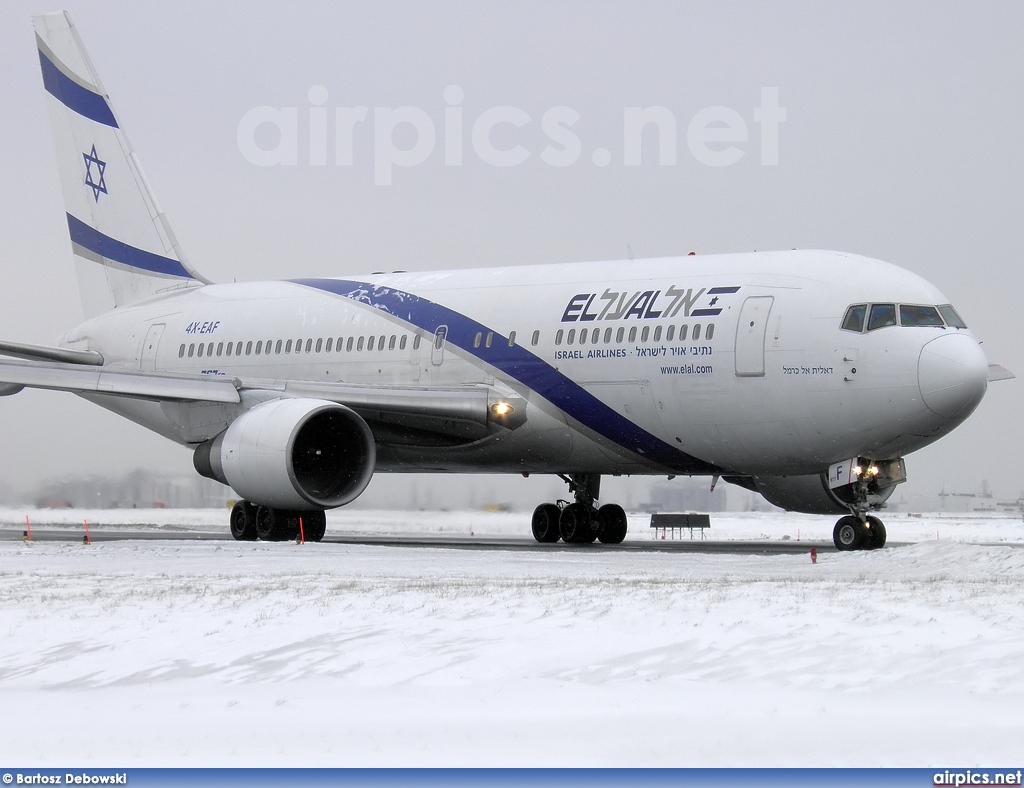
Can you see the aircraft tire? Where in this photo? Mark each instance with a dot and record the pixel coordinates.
(545, 523)
(850, 533)
(876, 539)
(574, 523)
(612, 524)
(243, 521)
(314, 525)
(272, 524)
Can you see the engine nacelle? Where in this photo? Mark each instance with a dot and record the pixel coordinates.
(297, 454)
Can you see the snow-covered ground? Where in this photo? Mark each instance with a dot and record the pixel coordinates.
(218, 653)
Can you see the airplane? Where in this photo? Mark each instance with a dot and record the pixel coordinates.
(805, 376)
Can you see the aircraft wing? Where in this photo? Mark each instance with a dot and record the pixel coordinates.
(467, 413)
(82, 379)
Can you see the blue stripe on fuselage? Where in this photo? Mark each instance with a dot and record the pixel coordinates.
(118, 252)
(74, 96)
(520, 365)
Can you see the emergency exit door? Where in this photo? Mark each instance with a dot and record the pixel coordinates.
(750, 335)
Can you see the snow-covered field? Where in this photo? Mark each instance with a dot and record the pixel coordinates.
(195, 653)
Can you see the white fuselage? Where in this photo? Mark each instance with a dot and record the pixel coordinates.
(698, 364)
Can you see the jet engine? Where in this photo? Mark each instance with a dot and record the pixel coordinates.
(296, 454)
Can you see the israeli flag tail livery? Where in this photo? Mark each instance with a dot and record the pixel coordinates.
(125, 251)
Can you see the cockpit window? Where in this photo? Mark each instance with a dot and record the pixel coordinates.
(882, 315)
(911, 315)
(951, 317)
(854, 319)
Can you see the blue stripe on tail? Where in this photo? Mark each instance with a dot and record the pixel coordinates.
(118, 252)
(74, 96)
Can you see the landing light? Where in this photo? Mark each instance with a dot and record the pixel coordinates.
(502, 409)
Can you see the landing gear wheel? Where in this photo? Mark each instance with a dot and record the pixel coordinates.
(314, 525)
(876, 538)
(243, 521)
(545, 523)
(612, 524)
(850, 533)
(574, 523)
(272, 525)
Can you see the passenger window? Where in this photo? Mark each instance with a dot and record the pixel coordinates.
(401, 343)
(230, 347)
(248, 348)
(288, 346)
(583, 336)
(415, 342)
(558, 337)
(535, 339)
(369, 344)
(710, 331)
(696, 332)
(645, 333)
(854, 318)
(181, 352)
(259, 347)
(511, 338)
(953, 320)
(278, 346)
(359, 344)
(191, 350)
(682, 332)
(348, 345)
(238, 348)
(298, 345)
(391, 344)
(607, 336)
(309, 345)
(477, 339)
(572, 336)
(220, 348)
(882, 315)
(319, 345)
(269, 347)
(619, 335)
(919, 316)
(670, 333)
(330, 344)
(596, 336)
(632, 334)
(338, 345)
(657, 333)
(490, 338)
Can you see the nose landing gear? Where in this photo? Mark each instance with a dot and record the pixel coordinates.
(580, 522)
(854, 533)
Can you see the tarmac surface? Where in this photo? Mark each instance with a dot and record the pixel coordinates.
(686, 545)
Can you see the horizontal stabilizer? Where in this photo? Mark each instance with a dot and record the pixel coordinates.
(999, 372)
(63, 377)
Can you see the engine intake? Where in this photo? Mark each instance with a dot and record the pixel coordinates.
(292, 454)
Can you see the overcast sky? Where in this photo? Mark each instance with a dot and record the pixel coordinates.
(903, 140)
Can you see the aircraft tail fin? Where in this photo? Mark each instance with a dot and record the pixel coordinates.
(124, 248)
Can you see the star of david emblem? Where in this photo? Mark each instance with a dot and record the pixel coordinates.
(714, 300)
(101, 166)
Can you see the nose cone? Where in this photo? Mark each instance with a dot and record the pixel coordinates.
(953, 374)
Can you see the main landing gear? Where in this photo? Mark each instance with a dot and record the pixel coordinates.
(250, 522)
(580, 522)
